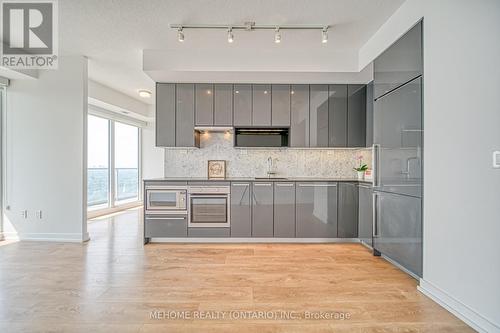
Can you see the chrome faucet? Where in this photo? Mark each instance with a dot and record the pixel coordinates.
(270, 167)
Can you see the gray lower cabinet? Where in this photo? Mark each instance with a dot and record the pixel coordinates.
(348, 210)
(242, 104)
(316, 210)
(400, 63)
(165, 115)
(280, 105)
(165, 226)
(356, 115)
(184, 117)
(398, 229)
(365, 214)
(262, 209)
(204, 104)
(337, 115)
(299, 127)
(208, 232)
(223, 105)
(284, 209)
(318, 114)
(261, 105)
(241, 209)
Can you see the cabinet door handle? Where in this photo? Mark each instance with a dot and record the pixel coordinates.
(374, 216)
(365, 186)
(375, 162)
(165, 218)
(238, 184)
(284, 185)
(318, 185)
(262, 184)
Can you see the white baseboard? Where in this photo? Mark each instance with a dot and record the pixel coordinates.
(48, 237)
(251, 240)
(462, 311)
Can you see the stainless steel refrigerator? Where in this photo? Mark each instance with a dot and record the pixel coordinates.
(397, 163)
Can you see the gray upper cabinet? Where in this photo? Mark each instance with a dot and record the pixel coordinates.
(184, 116)
(400, 63)
(242, 104)
(204, 106)
(365, 214)
(318, 106)
(398, 229)
(262, 209)
(165, 115)
(299, 130)
(241, 209)
(280, 105)
(284, 209)
(356, 115)
(223, 105)
(369, 114)
(348, 210)
(261, 105)
(316, 210)
(337, 115)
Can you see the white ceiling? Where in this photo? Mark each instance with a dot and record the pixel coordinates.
(113, 35)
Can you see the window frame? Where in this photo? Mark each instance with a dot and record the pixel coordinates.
(114, 205)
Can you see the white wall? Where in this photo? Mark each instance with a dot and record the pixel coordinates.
(153, 158)
(462, 128)
(45, 160)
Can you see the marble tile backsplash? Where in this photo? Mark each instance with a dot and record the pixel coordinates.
(240, 162)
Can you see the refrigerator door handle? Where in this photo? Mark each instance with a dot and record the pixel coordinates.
(374, 216)
(375, 163)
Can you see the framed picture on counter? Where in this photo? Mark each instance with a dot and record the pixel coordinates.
(216, 169)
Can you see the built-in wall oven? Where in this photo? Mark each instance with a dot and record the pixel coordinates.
(209, 206)
(166, 198)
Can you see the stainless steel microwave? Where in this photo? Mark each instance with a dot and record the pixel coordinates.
(166, 198)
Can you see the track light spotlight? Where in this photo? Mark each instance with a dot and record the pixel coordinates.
(180, 35)
(230, 36)
(324, 36)
(277, 35)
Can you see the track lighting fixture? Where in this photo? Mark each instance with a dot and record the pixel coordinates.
(324, 35)
(277, 35)
(180, 35)
(251, 26)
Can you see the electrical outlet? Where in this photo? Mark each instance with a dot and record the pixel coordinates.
(39, 214)
(24, 214)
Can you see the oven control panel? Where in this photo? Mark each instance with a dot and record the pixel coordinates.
(209, 189)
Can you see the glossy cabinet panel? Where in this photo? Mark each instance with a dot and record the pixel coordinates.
(337, 115)
(318, 104)
(299, 129)
(204, 105)
(398, 134)
(262, 209)
(242, 95)
(400, 63)
(165, 115)
(316, 210)
(356, 115)
(369, 114)
(348, 210)
(223, 104)
(284, 209)
(280, 105)
(398, 229)
(261, 105)
(165, 226)
(184, 116)
(241, 209)
(365, 214)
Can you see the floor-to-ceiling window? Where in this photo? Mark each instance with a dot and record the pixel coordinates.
(113, 163)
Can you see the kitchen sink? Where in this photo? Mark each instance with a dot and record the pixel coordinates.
(269, 178)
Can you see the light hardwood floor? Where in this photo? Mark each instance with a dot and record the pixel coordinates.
(113, 283)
